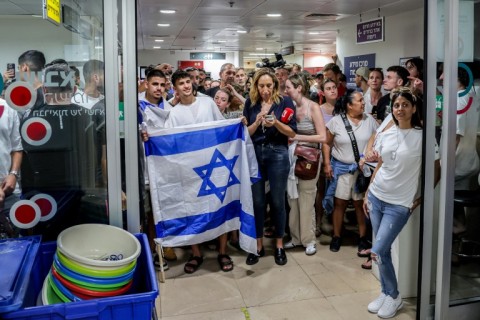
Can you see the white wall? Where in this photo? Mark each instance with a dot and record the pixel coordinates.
(22, 33)
(404, 37)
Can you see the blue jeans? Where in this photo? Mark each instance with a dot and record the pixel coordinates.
(274, 166)
(387, 222)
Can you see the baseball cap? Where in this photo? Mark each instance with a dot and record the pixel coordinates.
(364, 72)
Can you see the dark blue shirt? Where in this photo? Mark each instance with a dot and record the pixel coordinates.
(270, 135)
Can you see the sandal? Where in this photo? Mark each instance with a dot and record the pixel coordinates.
(367, 265)
(192, 267)
(364, 253)
(225, 262)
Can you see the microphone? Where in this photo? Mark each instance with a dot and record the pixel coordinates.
(287, 115)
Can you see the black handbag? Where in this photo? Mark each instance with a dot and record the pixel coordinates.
(362, 182)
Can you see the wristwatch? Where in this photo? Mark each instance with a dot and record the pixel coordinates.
(15, 173)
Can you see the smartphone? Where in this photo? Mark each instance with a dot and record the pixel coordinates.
(11, 67)
(269, 117)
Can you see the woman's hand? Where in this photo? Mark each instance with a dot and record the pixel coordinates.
(260, 118)
(416, 203)
(371, 156)
(327, 169)
(270, 120)
(244, 121)
(365, 206)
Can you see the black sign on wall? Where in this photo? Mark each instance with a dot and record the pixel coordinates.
(207, 56)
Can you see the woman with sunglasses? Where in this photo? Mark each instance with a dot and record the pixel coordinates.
(394, 192)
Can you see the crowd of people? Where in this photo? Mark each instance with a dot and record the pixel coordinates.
(370, 139)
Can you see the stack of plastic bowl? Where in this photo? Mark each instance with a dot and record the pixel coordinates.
(92, 261)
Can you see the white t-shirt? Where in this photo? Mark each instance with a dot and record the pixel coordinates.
(466, 157)
(398, 179)
(10, 139)
(84, 100)
(203, 109)
(342, 146)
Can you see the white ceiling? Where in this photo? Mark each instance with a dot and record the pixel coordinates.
(211, 25)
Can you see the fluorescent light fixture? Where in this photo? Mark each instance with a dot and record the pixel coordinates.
(159, 40)
(221, 41)
(241, 31)
(98, 47)
(163, 24)
(167, 11)
(274, 14)
(261, 54)
(314, 32)
(258, 48)
(156, 47)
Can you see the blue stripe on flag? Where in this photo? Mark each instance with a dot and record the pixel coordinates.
(193, 140)
(197, 224)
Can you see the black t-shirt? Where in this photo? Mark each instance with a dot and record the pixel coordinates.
(212, 91)
(382, 106)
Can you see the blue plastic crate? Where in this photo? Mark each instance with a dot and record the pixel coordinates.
(139, 303)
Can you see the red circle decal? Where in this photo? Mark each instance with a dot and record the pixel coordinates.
(45, 206)
(21, 96)
(36, 131)
(25, 214)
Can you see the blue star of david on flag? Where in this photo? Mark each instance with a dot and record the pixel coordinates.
(205, 172)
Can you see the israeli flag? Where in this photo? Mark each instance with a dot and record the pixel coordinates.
(200, 182)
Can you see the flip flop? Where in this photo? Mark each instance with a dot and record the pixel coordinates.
(192, 267)
(225, 262)
(367, 265)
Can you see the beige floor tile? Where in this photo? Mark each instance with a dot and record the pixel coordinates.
(305, 310)
(354, 305)
(212, 292)
(233, 314)
(275, 285)
(330, 284)
(352, 274)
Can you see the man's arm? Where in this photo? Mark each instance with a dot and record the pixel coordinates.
(8, 185)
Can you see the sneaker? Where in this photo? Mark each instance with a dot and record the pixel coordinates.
(390, 307)
(156, 262)
(169, 254)
(289, 245)
(335, 244)
(376, 304)
(311, 249)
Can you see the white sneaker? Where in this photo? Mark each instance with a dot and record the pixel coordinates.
(289, 245)
(376, 304)
(311, 249)
(390, 307)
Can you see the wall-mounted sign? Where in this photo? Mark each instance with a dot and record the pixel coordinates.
(207, 56)
(285, 51)
(352, 63)
(187, 63)
(52, 11)
(371, 31)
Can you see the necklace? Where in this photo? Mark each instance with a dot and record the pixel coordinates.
(394, 152)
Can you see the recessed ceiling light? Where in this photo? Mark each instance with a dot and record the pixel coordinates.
(168, 11)
(259, 48)
(274, 14)
(156, 47)
(241, 31)
(159, 40)
(314, 32)
(163, 24)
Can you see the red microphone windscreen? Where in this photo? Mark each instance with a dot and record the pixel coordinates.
(287, 115)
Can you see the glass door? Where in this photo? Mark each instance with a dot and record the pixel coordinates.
(451, 260)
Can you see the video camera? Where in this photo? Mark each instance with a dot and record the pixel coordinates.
(267, 64)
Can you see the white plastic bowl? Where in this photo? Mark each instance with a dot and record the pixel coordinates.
(90, 244)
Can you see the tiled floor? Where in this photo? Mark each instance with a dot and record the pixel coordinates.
(324, 286)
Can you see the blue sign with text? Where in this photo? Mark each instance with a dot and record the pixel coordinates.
(371, 31)
(352, 63)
